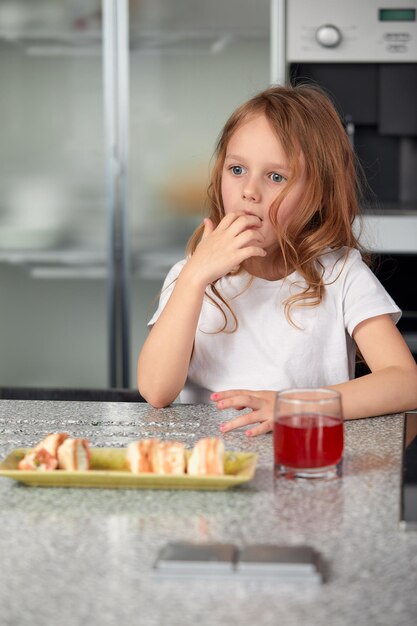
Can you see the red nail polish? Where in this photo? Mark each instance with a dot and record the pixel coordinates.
(222, 427)
(249, 433)
(214, 396)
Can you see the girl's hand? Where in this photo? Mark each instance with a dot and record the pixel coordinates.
(224, 248)
(261, 402)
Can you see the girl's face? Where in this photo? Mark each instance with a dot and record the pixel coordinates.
(255, 172)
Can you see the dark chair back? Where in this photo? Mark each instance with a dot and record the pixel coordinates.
(68, 394)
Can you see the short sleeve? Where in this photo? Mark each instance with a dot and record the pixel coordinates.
(364, 296)
(167, 289)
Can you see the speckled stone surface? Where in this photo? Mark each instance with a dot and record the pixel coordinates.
(85, 556)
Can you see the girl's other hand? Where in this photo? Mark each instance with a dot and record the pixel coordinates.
(261, 402)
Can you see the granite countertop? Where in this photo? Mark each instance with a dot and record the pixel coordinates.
(75, 556)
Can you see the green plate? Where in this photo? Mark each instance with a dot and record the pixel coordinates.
(108, 471)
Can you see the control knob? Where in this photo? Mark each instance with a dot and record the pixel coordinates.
(328, 36)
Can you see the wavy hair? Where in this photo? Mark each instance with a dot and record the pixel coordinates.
(303, 119)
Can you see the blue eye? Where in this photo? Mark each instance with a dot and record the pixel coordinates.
(276, 178)
(237, 170)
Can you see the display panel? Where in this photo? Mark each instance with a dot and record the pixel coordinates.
(397, 15)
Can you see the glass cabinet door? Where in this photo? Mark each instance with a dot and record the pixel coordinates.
(191, 63)
(52, 194)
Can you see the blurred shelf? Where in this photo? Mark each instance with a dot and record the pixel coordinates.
(82, 264)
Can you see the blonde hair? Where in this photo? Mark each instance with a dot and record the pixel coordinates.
(303, 119)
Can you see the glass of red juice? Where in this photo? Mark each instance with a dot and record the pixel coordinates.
(308, 433)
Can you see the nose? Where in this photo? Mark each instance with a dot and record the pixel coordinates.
(251, 190)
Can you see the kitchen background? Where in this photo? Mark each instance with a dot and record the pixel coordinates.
(191, 62)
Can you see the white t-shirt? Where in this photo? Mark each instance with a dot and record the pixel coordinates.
(267, 351)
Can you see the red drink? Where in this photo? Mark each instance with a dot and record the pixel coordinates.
(308, 441)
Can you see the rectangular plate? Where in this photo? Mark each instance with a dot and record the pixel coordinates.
(109, 472)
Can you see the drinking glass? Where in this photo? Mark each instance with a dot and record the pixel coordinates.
(308, 433)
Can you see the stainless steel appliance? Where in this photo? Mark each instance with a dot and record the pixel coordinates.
(364, 54)
(408, 514)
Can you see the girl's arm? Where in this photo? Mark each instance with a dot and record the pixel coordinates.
(165, 357)
(390, 388)
(392, 385)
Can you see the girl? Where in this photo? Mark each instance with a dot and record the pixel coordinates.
(274, 292)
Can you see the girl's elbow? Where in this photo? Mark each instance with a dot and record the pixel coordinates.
(155, 392)
(157, 402)
(411, 386)
(154, 397)
(414, 387)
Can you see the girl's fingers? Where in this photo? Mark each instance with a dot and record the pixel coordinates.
(261, 405)
(249, 237)
(244, 420)
(229, 393)
(208, 227)
(238, 222)
(250, 251)
(222, 249)
(245, 223)
(240, 421)
(261, 429)
(238, 402)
